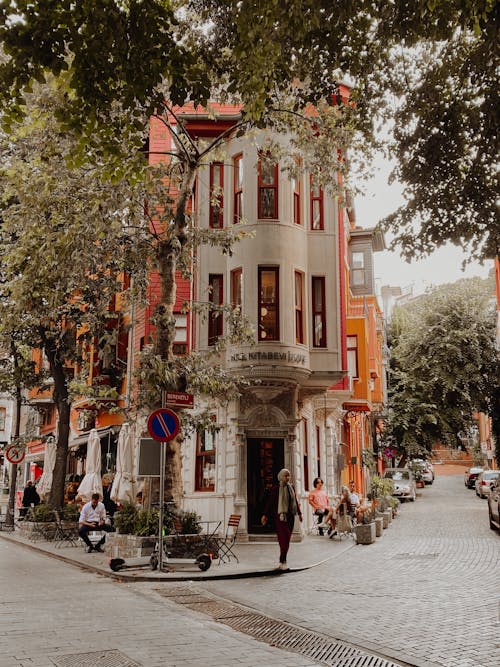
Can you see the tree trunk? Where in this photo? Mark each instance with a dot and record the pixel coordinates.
(168, 253)
(61, 399)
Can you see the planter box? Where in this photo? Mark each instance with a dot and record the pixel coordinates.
(183, 546)
(379, 526)
(129, 546)
(365, 533)
(385, 520)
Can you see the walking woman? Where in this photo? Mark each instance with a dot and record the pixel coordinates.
(283, 505)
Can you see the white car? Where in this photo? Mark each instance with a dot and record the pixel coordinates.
(404, 483)
(424, 468)
(484, 482)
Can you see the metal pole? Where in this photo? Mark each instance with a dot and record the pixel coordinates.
(160, 513)
(162, 493)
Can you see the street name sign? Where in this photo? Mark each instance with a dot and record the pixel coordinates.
(179, 399)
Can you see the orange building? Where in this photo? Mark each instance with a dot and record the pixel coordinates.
(364, 341)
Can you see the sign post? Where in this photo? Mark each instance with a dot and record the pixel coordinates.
(163, 425)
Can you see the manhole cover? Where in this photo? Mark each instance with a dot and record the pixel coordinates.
(112, 658)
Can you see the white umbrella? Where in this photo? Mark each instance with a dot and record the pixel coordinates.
(91, 483)
(45, 482)
(123, 483)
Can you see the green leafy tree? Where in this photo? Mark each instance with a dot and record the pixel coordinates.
(444, 365)
(67, 236)
(428, 70)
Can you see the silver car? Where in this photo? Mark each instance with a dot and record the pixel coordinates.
(484, 482)
(404, 483)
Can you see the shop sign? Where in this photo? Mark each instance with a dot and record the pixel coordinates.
(287, 357)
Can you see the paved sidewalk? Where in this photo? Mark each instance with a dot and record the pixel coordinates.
(256, 559)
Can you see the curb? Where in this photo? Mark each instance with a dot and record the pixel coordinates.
(191, 576)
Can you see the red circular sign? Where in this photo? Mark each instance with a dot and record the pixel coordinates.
(15, 454)
(163, 424)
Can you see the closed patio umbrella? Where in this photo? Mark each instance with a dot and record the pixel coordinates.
(123, 483)
(91, 483)
(45, 482)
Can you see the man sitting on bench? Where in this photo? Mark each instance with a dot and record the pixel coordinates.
(93, 517)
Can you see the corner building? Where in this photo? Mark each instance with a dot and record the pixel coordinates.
(284, 275)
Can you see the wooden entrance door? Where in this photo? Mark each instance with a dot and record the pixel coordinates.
(265, 458)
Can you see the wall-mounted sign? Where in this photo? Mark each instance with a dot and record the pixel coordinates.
(285, 357)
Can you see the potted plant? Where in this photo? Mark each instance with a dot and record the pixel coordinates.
(39, 523)
(365, 531)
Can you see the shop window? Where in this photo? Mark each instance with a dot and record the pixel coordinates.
(316, 193)
(352, 356)
(205, 461)
(3, 418)
(318, 311)
(237, 189)
(216, 195)
(268, 189)
(215, 297)
(268, 315)
(299, 307)
(237, 288)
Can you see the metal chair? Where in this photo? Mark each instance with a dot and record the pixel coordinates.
(344, 522)
(225, 544)
(64, 535)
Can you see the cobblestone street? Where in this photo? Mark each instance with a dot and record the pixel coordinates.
(427, 592)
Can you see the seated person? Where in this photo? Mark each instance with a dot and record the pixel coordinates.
(366, 507)
(318, 500)
(93, 517)
(355, 500)
(345, 510)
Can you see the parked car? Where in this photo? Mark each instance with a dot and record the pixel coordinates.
(470, 476)
(404, 482)
(494, 505)
(425, 470)
(484, 482)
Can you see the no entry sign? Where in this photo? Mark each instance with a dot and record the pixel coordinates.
(15, 454)
(163, 425)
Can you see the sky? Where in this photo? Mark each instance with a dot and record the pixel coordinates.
(443, 266)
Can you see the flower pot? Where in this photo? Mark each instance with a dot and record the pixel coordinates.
(365, 533)
(379, 526)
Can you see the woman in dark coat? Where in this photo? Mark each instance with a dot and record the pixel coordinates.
(283, 506)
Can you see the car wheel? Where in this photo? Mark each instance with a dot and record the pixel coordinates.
(492, 525)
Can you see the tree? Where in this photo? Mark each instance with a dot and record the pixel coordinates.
(66, 239)
(126, 61)
(428, 69)
(444, 365)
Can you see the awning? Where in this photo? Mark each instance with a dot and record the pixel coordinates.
(102, 433)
